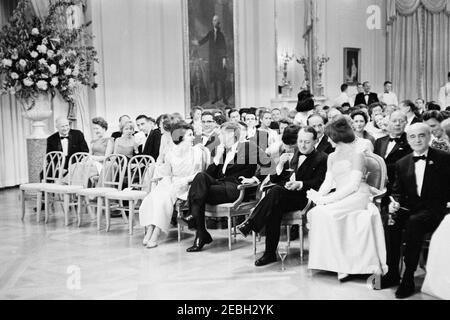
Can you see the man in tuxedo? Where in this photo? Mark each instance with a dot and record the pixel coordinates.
(152, 141)
(209, 137)
(235, 162)
(392, 148)
(318, 123)
(259, 137)
(289, 194)
(420, 194)
(67, 140)
(366, 97)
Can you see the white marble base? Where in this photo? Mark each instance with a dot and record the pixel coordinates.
(35, 153)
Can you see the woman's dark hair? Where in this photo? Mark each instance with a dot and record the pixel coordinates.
(285, 121)
(432, 106)
(375, 105)
(101, 122)
(433, 114)
(310, 130)
(359, 113)
(340, 130)
(220, 119)
(412, 106)
(290, 134)
(162, 118)
(178, 130)
(445, 114)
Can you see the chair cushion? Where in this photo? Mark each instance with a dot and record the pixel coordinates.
(126, 195)
(62, 188)
(34, 186)
(293, 215)
(96, 192)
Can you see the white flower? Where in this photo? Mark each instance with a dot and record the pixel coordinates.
(41, 48)
(43, 61)
(43, 85)
(30, 74)
(28, 82)
(72, 52)
(62, 61)
(14, 76)
(76, 71)
(22, 63)
(35, 31)
(34, 54)
(54, 81)
(50, 53)
(7, 62)
(68, 72)
(52, 69)
(44, 76)
(45, 41)
(71, 83)
(15, 56)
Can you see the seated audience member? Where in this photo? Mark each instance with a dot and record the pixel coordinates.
(367, 97)
(346, 233)
(243, 127)
(166, 144)
(233, 163)
(243, 112)
(439, 140)
(122, 120)
(420, 194)
(360, 120)
(234, 115)
(432, 105)
(67, 140)
(332, 114)
(344, 97)
(392, 148)
(304, 108)
(410, 109)
(420, 104)
(290, 192)
(266, 120)
(126, 144)
(318, 123)
(197, 120)
(388, 109)
(259, 137)
(378, 127)
(181, 164)
(284, 123)
(152, 141)
(276, 117)
(388, 97)
(372, 128)
(288, 143)
(345, 108)
(210, 135)
(101, 146)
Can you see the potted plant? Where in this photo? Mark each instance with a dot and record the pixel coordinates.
(40, 57)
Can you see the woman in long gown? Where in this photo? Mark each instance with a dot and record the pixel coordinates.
(346, 232)
(180, 165)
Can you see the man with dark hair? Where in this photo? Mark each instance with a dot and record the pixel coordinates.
(343, 97)
(388, 97)
(366, 97)
(276, 117)
(234, 115)
(209, 137)
(152, 142)
(259, 137)
(289, 193)
(217, 59)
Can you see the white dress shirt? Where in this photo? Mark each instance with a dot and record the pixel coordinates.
(389, 148)
(390, 98)
(420, 171)
(229, 157)
(65, 145)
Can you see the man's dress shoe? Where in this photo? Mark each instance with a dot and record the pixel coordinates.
(244, 228)
(199, 242)
(266, 259)
(406, 289)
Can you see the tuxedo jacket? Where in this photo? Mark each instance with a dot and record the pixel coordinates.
(77, 143)
(325, 145)
(212, 142)
(435, 191)
(359, 99)
(311, 172)
(152, 144)
(248, 161)
(400, 150)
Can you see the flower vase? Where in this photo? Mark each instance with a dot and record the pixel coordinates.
(37, 113)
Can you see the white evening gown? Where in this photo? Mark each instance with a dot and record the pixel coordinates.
(347, 236)
(437, 279)
(157, 206)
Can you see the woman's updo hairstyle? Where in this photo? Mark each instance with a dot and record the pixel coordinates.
(178, 131)
(340, 130)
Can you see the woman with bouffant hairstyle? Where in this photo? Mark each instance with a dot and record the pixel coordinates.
(180, 165)
(346, 231)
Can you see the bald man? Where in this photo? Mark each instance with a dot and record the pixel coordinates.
(420, 193)
(67, 140)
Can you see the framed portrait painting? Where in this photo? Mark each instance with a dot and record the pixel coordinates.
(209, 53)
(352, 66)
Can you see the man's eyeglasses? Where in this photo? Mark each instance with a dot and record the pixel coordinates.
(208, 121)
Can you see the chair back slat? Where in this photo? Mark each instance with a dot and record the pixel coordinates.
(53, 167)
(137, 170)
(376, 171)
(113, 171)
(81, 167)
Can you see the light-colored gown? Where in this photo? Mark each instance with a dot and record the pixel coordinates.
(157, 207)
(347, 236)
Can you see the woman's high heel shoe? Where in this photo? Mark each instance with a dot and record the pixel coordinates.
(152, 244)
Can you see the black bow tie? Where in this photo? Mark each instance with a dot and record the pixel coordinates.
(422, 157)
(397, 140)
(64, 137)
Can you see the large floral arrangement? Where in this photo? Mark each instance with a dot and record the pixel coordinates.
(44, 56)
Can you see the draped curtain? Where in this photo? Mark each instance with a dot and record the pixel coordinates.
(418, 47)
(13, 127)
